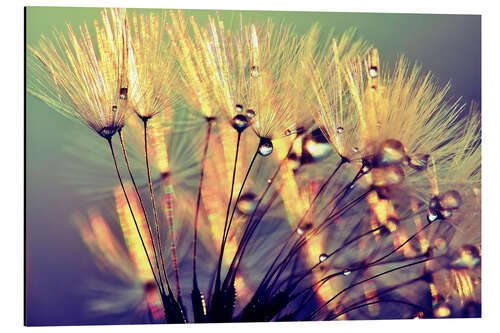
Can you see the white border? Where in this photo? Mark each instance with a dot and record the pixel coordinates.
(11, 109)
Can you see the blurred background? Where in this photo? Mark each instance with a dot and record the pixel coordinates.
(57, 262)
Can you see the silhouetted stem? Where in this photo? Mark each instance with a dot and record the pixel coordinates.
(124, 152)
(153, 201)
(133, 216)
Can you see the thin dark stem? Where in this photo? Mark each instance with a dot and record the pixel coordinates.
(198, 200)
(363, 281)
(239, 194)
(153, 201)
(376, 302)
(133, 216)
(323, 186)
(221, 252)
(124, 152)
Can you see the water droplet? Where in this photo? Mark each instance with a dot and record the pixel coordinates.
(373, 71)
(239, 122)
(265, 147)
(450, 200)
(269, 180)
(288, 132)
(323, 257)
(114, 108)
(419, 161)
(239, 108)
(392, 224)
(468, 257)
(123, 94)
(340, 130)
(254, 71)
(431, 215)
(317, 150)
(108, 131)
(347, 271)
(355, 149)
(388, 176)
(247, 203)
(300, 231)
(391, 152)
(365, 169)
(250, 114)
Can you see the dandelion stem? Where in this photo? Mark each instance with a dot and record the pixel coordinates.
(124, 152)
(133, 217)
(221, 252)
(335, 316)
(239, 194)
(363, 281)
(198, 200)
(153, 201)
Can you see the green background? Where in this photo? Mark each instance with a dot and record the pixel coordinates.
(58, 264)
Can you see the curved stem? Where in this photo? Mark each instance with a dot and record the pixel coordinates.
(124, 152)
(132, 213)
(153, 201)
(198, 200)
(221, 252)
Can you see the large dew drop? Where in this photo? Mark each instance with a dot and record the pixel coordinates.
(450, 200)
(323, 257)
(391, 152)
(265, 147)
(388, 176)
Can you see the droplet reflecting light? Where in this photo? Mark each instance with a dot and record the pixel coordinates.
(265, 147)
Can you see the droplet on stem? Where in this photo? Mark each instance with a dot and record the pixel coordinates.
(346, 271)
(391, 152)
(123, 94)
(322, 257)
(239, 122)
(265, 147)
(373, 72)
(340, 130)
(239, 108)
(250, 114)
